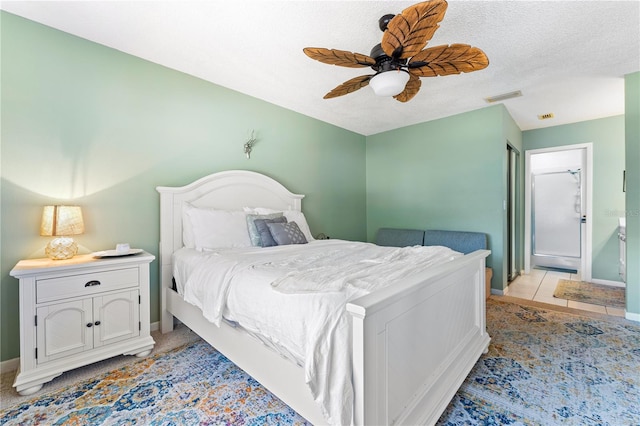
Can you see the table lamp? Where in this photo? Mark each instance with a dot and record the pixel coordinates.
(61, 222)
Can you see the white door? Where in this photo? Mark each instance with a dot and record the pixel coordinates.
(557, 210)
(63, 329)
(116, 317)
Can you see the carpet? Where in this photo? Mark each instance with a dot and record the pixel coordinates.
(543, 367)
(190, 385)
(546, 367)
(596, 294)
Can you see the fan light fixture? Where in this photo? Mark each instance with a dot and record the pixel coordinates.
(389, 83)
(402, 50)
(61, 221)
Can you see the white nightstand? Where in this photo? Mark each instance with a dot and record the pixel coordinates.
(78, 311)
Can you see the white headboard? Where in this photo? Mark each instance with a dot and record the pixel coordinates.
(229, 190)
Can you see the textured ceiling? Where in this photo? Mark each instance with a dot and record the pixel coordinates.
(568, 58)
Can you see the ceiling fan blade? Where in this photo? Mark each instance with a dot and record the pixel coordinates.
(349, 86)
(339, 57)
(408, 33)
(410, 90)
(447, 60)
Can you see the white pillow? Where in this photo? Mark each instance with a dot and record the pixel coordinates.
(291, 215)
(187, 229)
(213, 228)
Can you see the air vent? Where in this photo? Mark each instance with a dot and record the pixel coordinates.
(504, 96)
(546, 116)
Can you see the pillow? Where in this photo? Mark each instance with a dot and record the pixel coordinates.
(259, 210)
(187, 229)
(301, 221)
(254, 235)
(218, 228)
(266, 240)
(291, 215)
(286, 233)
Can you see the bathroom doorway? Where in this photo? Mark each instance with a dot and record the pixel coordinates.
(558, 209)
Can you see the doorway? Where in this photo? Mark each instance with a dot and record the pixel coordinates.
(558, 209)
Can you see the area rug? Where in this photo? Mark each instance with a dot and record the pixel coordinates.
(543, 368)
(190, 385)
(547, 367)
(596, 294)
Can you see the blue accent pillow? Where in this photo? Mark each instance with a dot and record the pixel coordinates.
(266, 240)
(286, 233)
(254, 235)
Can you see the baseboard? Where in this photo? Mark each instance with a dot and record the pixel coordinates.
(608, 282)
(13, 364)
(9, 365)
(500, 292)
(632, 317)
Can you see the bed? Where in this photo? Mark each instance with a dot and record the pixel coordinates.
(412, 343)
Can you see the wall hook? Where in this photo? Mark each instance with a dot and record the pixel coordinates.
(248, 145)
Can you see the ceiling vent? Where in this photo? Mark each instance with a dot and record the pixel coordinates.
(504, 96)
(546, 116)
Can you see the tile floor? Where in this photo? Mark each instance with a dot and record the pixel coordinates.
(540, 285)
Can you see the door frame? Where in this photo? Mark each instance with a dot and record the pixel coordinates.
(514, 209)
(587, 228)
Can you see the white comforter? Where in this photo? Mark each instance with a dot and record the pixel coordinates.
(295, 297)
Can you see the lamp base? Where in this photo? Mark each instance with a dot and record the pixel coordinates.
(61, 248)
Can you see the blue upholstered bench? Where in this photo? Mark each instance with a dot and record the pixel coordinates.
(462, 241)
(393, 237)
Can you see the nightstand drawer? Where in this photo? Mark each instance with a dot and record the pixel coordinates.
(85, 284)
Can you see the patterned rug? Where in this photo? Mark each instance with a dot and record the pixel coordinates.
(596, 294)
(543, 367)
(546, 367)
(190, 385)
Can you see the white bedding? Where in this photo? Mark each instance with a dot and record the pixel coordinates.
(294, 296)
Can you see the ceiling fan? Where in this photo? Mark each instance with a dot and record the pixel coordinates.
(399, 60)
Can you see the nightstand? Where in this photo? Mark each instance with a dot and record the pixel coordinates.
(78, 311)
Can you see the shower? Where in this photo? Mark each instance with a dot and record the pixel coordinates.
(557, 197)
(557, 217)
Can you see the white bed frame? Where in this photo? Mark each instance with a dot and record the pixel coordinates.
(413, 343)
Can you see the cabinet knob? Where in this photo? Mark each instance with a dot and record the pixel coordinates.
(96, 323)
(92, 283)
(90, 325)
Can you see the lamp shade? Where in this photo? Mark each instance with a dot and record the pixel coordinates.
(61, 221)
(389, 83)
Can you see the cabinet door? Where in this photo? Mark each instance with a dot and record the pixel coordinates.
(63, 329)
(116, 317)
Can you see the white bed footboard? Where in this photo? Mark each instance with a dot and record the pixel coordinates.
(414, 343)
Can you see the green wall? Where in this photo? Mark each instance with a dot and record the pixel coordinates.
(445, 174)
(632, 144)
(608, 138)
(89, 125)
